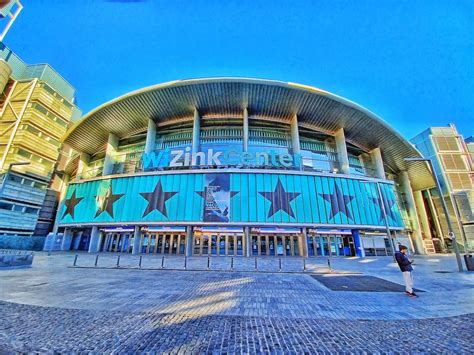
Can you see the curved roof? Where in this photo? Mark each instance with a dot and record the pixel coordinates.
(266, 99)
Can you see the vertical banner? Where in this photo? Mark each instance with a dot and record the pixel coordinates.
(217, 198)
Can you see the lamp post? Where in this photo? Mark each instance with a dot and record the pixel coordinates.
(445, 209)
(384, 215)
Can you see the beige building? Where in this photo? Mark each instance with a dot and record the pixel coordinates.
(453, 164)
(36, 108)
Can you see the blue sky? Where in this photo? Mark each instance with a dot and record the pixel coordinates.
(409, 61)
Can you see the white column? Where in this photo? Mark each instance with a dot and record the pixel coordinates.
(412, 211)
(150, 136)
(376, 156)
(112, 145)
(83, 164)
(95, 240)
(189, 241)
(67, 239)
(196, 131)
(62, 197)
(246, 130)
(137, 238)
(295, 135)
(248, 242)
(342, 151)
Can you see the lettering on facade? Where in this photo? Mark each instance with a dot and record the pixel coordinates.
(174, 158)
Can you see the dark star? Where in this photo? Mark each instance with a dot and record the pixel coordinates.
(71, 203)
(388, 204)
(338, 202)
(280, 200)
(106, 203)
(157, 200)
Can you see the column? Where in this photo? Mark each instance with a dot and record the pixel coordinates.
(67, 239)
(376, 156)
(247, 242)
(360, 252)
(342, 151)
(150, 136)
(112, 145)
(196, 131)
(412, 212)
(422, 215)
(295, 135)
(137, 238)
(62, 197)
(246, 131)
(95, 240)
(303, 249)
(189, 241)
(83, 164)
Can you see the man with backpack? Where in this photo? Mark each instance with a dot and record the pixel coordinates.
(406, 268)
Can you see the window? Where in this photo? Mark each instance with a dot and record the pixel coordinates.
(446, 143)
(453, 162)
(6, 206)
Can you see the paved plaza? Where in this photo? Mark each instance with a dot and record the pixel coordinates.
(54, 307)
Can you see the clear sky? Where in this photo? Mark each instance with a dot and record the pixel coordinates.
(409, 61)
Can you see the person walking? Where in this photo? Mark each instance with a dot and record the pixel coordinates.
(406, 268)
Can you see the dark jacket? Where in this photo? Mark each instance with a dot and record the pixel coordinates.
(403, 262)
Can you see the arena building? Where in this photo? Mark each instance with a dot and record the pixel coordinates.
(233, 166)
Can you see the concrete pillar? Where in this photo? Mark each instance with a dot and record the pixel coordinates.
(360, 252)
(67, 239)
(62, 198)
(109, 161)
(189, 241)
(245, 141)
(342, 151)
(412, 211)
(303, 249)
(150, 136)
(94, 243)
(376, 156)
(247, 242)
(422, 215)
(137, 238)
(83, 164)
(295, 135)
(196, 131)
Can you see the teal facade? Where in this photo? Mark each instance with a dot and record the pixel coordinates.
(254, 199)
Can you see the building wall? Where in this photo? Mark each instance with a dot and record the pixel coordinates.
(220, 198)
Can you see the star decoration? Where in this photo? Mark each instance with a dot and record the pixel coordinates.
(106, 203)
(280, 200)
(157, 200)
(388, 204)
(338, 202)
(71, 203)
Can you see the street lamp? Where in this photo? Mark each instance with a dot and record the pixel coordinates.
(384, 215)
(445, 209)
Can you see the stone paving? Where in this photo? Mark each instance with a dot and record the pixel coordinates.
(55, 308)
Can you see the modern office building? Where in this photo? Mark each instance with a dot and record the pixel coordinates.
(453, 164)
(36, 107)
(233, 166)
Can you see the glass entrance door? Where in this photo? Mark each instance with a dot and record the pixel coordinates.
(217, 244)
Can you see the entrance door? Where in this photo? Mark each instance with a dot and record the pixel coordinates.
(217, 244)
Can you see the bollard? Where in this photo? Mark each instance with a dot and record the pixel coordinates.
(75, 260)
(256, 266)
(232, 264)
(140, 262)
(163, 262)
(304, 264)
(118, 261)
(329, 265)
(185, 262)
(279, 267)
(96, 260)
(208, 262)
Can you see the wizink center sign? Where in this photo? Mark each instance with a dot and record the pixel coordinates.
(174, 158)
